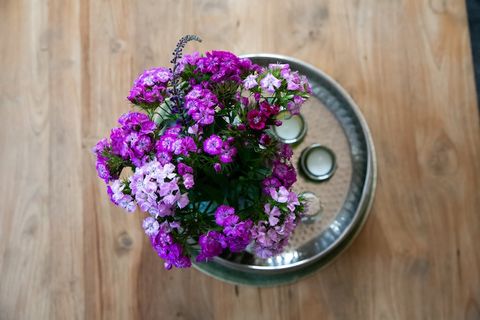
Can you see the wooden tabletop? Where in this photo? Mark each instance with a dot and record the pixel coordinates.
(65, 70)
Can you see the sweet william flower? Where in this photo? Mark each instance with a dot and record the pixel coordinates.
(103, 171)
(281, 195)
(188, 180)
(269, 83)
(273, 214)
(227, 154)
(151, 226)
(238, 235)
(182, 168)
(269, 110)
(256, 119)
(225, 216)
(213, 145)
(250, 81)
(183, 201)
(211, 245)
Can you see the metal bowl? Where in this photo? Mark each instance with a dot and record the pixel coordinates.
(327, 238)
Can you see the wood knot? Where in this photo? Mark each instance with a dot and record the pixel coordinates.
(124, 243)
(442, 157)
(116, 45)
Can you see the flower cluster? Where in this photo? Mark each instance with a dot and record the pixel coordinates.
(151, 86)
(272, 234)
(200, 158)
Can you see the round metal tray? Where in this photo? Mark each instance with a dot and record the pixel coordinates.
(316, 243)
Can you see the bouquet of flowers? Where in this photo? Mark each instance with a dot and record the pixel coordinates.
(200, 158)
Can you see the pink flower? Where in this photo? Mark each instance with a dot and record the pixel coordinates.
(269, 83)
(225, 216)
(256, 119)
(183, 201)
(281, 195)
(228, 154)
(250, 81)
(213, 145)
(183, 168)
(273, 214)
(188, 181)
(268, 109)
(151, 226)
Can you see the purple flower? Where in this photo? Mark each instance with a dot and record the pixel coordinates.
(225, 216)
(119, 198)
(195, 129)
(265, 139)
(189, 145)
(273, 213)
(217, 167)
(183, 201)
(269, 83)
(166, 143)
(156, 189)
(281, 195)
(165, 246)
(256, 119)
(225, 66)
(294, 106)
(103, 171)
(142, 145)
(119, 145)
(200, 104)
(132, 140)
(100, 147)
(269, 240)
(126, 202)
(188, 59)
(211, 244)
(305, 85)
(292, 201)
(238, 235)
(213, 145)
(150, 86)
(285, 173)
(227, 154)
(250, 81)
(151, 226)
(269, 110)
(202, 114)
(270, 182)
(137, 121)
(164, 157)
(285, 151)
(279, 66)
(182, 168)
(293, 80)
(188, 181)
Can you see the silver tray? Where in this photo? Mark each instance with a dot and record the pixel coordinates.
(329, 239)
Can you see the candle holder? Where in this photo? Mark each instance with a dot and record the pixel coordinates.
(318, 162)
(293, 127)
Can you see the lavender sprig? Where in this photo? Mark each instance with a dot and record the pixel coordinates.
(177, 56)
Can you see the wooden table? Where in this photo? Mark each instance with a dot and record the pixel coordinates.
(66, 67)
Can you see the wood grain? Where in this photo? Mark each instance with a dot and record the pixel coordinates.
(66, 67)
